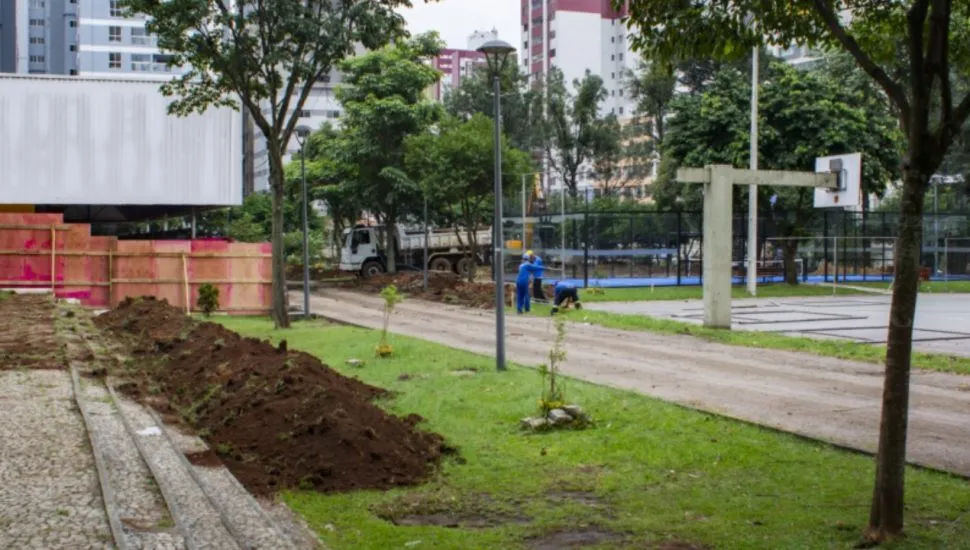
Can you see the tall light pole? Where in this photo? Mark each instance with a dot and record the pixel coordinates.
(497, 53)
(302, 132)
(752, 270)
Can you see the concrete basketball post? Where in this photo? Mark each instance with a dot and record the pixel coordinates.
(718, 209)
(719, 181)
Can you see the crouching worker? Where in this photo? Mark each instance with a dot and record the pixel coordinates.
(566, 294)
(522, 284)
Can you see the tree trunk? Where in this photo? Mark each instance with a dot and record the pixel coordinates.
(886, 513)
(390, 250)
(790, 252)
(280, 304)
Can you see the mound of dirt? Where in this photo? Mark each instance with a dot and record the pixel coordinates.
(446, 288)
(277, 418)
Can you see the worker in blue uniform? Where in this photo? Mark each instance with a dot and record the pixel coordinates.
(526, 269)
(537, 293)
(566, 294)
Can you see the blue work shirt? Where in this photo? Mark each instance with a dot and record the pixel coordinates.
(538, 263)
(526, 269)
(563, 285)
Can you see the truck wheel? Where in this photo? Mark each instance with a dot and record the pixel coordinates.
(466, 266)
(440, 264)
(371, 268)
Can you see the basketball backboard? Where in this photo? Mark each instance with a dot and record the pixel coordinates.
(850, 181)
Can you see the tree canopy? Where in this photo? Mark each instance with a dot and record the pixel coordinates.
(384, 99)
(455, 166)
(265, 56)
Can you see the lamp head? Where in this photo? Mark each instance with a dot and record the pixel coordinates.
(302, 132)
(496, 53)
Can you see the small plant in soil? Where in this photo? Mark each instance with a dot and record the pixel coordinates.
(208, 299)
(554, 412)
(391, 299)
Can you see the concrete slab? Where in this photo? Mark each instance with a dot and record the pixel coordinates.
(942, 320)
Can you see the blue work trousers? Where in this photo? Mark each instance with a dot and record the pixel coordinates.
(522, 301)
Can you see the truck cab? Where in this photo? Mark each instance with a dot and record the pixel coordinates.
(360, 252)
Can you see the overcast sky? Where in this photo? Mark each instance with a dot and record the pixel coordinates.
(456, 19)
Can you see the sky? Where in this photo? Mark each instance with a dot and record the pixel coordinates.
(456, 19)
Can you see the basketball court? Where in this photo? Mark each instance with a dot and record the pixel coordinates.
(942, 320)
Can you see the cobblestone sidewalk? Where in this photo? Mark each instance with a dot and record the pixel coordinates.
(49, 493)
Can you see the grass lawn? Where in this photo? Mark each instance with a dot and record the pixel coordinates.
(764, 291)
(648, 471)
(842, 349)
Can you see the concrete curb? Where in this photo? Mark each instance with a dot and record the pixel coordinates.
(107, 493)
(178, 514)
(281, 541)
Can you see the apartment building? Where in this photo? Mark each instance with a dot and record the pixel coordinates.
(457, 64)
(576, 36)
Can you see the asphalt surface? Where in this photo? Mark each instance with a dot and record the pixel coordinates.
(942, 323)
(819, 397)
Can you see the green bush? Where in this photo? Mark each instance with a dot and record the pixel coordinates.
(208, 299)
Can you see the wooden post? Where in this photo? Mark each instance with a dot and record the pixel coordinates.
(111, 293)
(53, 258)
(185, 284)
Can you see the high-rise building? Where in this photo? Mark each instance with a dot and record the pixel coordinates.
(456, 64)
(576, 36)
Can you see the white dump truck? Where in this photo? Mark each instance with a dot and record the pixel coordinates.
(362, 251)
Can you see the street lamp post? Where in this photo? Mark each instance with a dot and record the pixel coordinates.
(496, 54)
(302, 132)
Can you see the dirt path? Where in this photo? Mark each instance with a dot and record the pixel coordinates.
(819, 397)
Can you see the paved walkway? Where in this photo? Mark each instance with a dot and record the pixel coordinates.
(819, 397)
(49, 492)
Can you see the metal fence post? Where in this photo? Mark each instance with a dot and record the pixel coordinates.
(825, 246)
(680, 246)
(586, 243)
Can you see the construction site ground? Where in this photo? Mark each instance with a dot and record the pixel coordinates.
(818, 397)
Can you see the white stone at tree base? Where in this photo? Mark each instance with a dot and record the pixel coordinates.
(559, 416)
(534, 422)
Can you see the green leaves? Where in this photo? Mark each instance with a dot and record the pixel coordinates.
(803, 115)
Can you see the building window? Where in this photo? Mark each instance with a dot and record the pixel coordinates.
(37, 59)
(613, 93)
(37, 40)
(114, 60)
(323, 78)
(613, 40)
(73, 47)
(36, 22)
(621, 112)
(139, 36)
(621, 57)
(621, 92)
(552, 52)
(114, 8)
(141, 62)
(613, 76)
(114, 34)
(613, 57)
(72, 24)
(38, 4)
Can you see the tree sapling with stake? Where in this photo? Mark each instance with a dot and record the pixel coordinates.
(391, 299)
(553, 410)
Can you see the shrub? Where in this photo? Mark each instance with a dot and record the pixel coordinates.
(208, 299)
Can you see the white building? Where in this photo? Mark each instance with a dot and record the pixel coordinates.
(576, 36)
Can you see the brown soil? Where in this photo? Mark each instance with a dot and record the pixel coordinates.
(446, 288)
(295, 272)
(27, 338)
(573, 539)
(277, 418)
